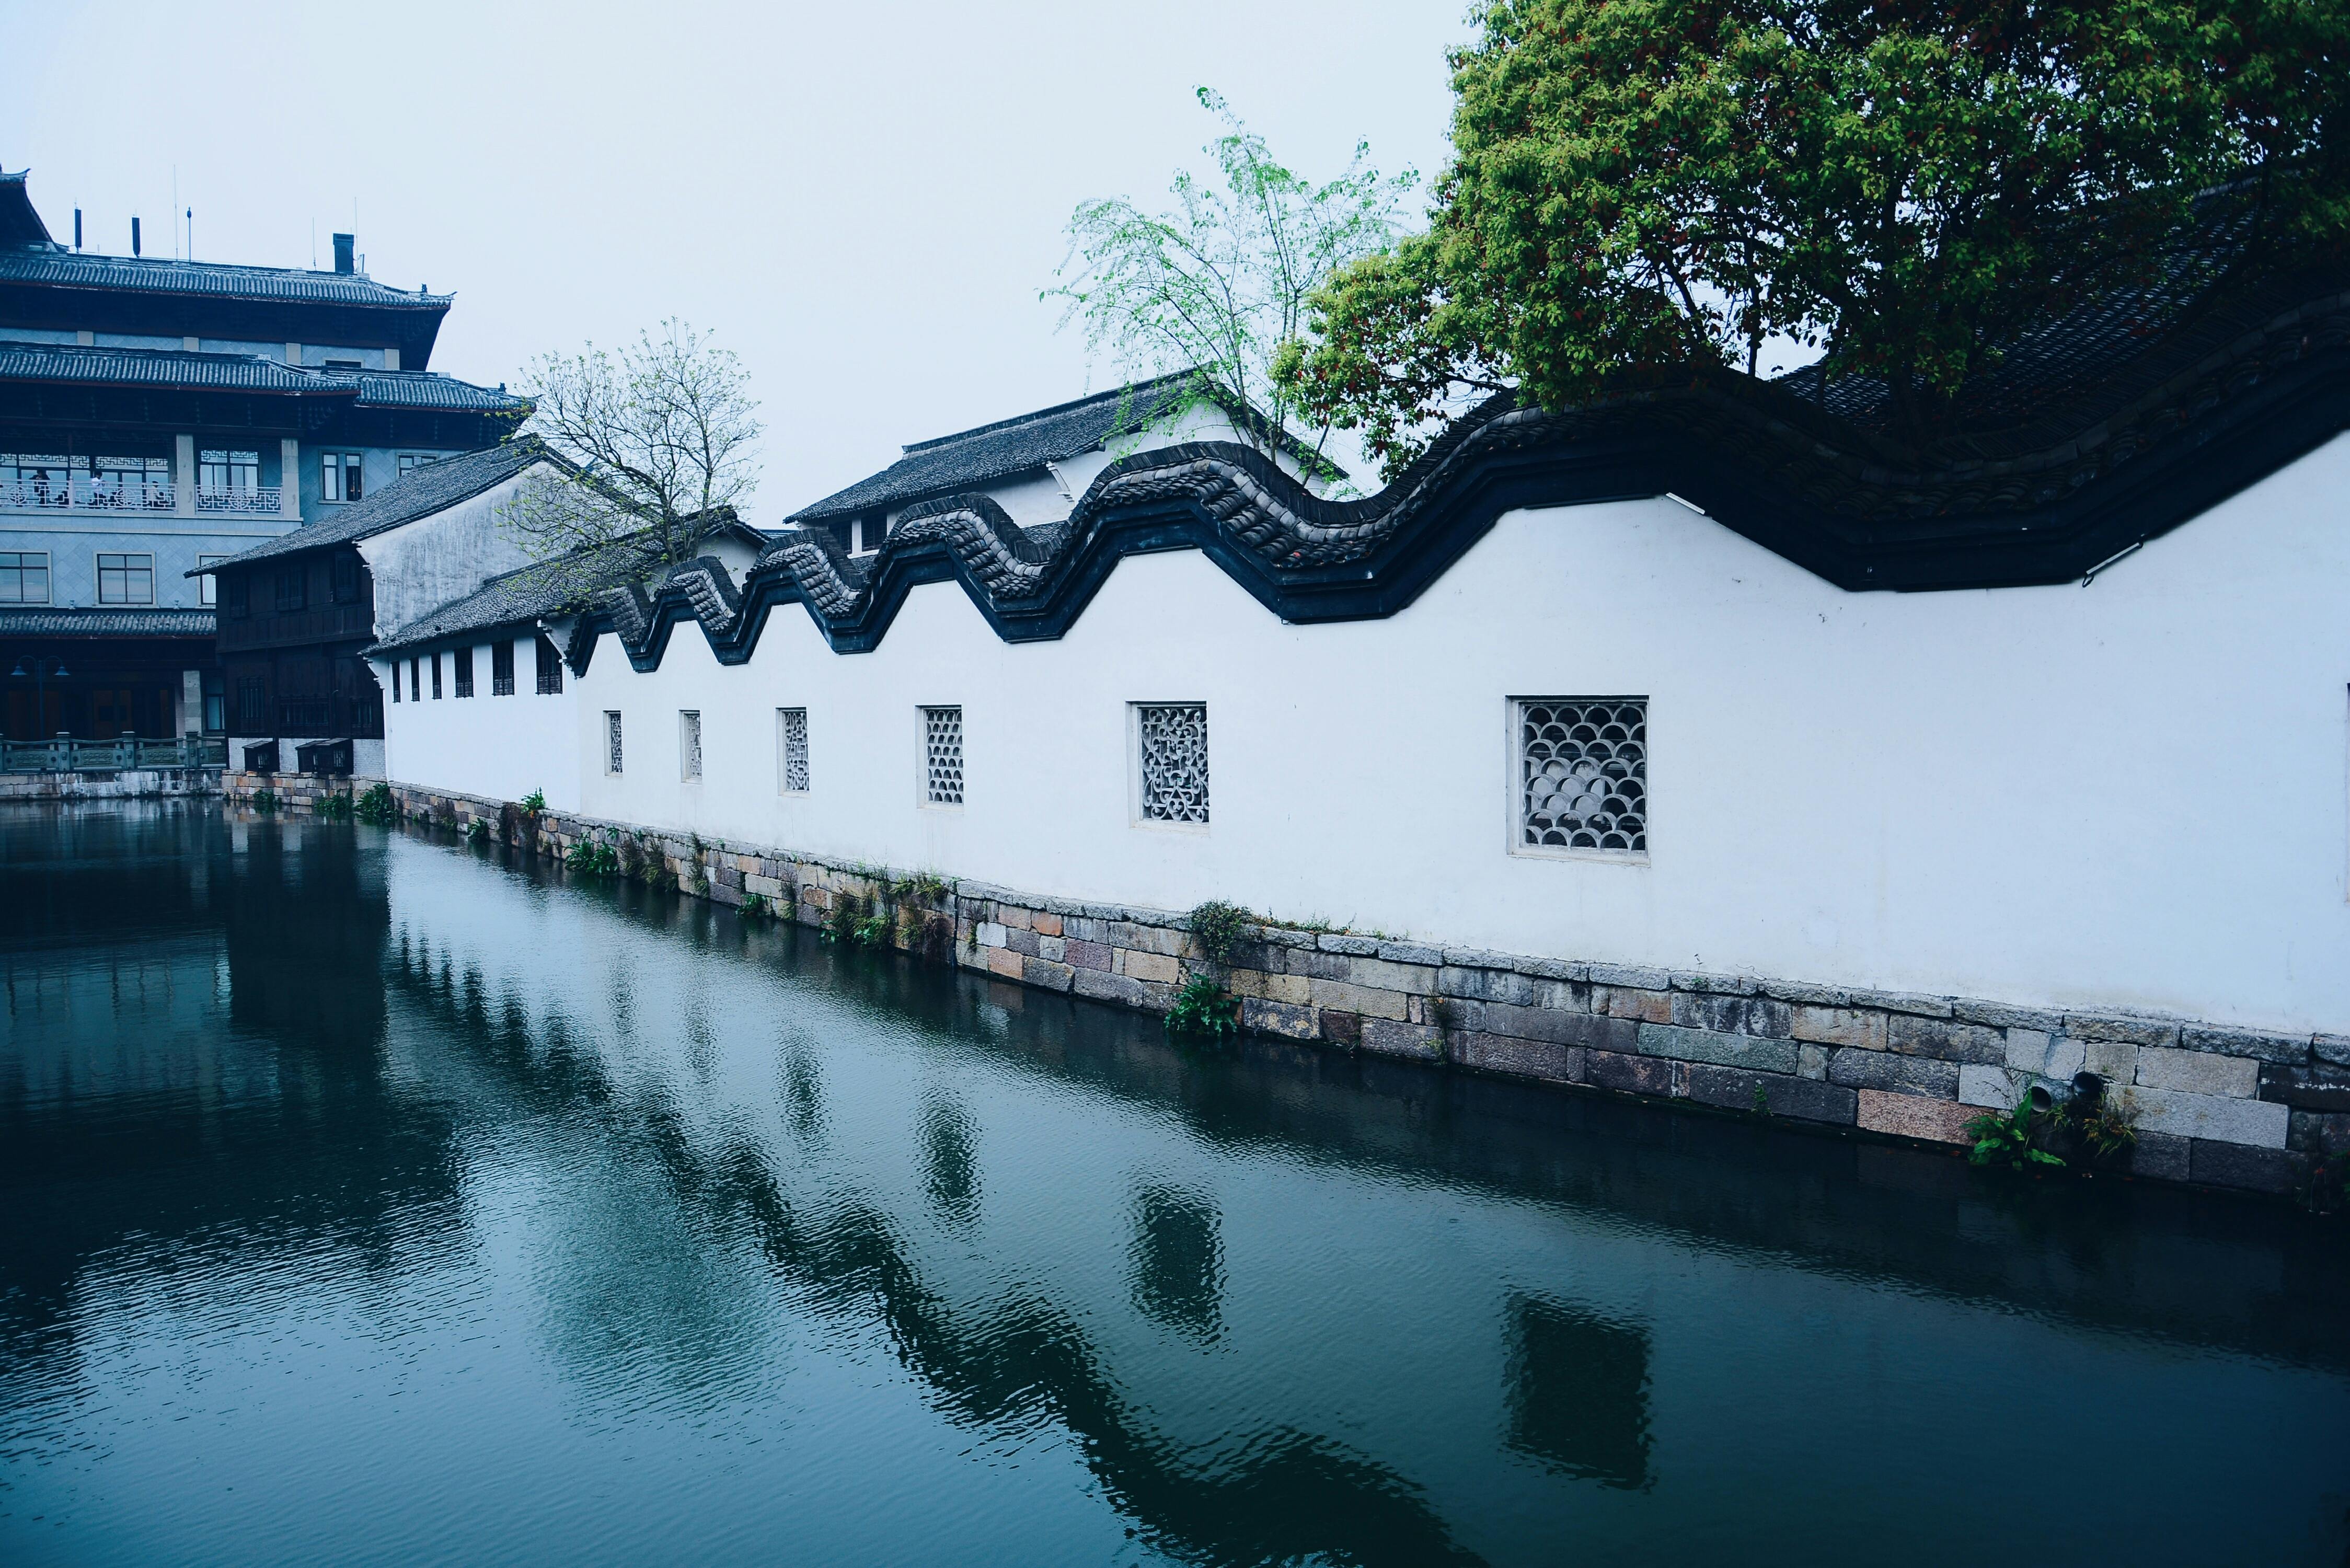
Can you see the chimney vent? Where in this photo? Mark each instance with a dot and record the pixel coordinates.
(344, 261)
(134, 236)
(77, 228)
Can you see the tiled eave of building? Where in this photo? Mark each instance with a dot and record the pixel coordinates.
(187, 370)
(107, 623)
(2168, 430)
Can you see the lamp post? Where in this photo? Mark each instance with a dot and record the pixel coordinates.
(43, 669)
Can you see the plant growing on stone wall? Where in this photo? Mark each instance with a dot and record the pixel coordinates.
(2009, 1139)
(534, 803)
(264, 801)
(755, 906)
(335, 805)
(1218, 929)
(840, 921)
(924, 887)
(477, 832)
(378, 806)
(1203, 1009)
(873, 931)
(2105, 1126)
(594, 856)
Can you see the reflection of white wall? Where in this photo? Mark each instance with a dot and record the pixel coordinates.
(505, 747)
(2128, 793)
(444, 556)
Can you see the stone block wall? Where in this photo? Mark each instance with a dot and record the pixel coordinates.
(293, 792)
(2216, 1106)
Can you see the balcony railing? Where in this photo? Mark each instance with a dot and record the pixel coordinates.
(261, 500)
(83, 493)
(67, 756)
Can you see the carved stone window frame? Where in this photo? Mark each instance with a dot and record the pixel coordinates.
(792, 754)
(1137, 791)
(942, 781)
(1514, 780)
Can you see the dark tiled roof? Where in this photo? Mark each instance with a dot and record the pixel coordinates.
(106, 623)
(527, 593)
(429, 390)
(20, 225)
(155, 367)
(147, 275)
(177, 367)
(976, 458)
(428, 488)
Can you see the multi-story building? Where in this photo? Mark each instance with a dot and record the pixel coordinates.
(157, 416)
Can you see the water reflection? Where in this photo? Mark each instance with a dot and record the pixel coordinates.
(575, 1224)
(1579, 1392)
(1179, 1265)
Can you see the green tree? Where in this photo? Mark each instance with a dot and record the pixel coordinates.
(1645, 186)
(655, 443)
(1208, 292)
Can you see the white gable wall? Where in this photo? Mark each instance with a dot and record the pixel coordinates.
(442, 556)
(2135, 793)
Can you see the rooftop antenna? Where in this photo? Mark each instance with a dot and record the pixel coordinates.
(77, 228)
(192, 233)
(134, 233)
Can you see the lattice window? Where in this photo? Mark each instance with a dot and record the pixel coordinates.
(689, 736)
(1582, 773)
(791, 737)
(942, 755)
(611, 741)
(1173, 741)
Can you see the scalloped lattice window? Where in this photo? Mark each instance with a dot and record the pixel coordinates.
(1172, 738)
(1582, 773)
(942, 749)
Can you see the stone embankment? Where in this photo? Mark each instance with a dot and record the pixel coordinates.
(2211, 1105)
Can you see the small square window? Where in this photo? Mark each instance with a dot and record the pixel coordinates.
(792, 751)
(1581, 775)
(126, 579)
(611, 741)
(1170, 742)
(342, 476)
(689, 744)
(942, 757)
(208, 586)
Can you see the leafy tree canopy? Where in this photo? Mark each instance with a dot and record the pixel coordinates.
(1208, 291)
(1667, 185)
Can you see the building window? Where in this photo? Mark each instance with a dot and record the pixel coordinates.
(208, 586)
(395, 682)
(236, 591)
(341, 476)
(1582, 773)
(228, 472)
(126, 579)
(24, 577)
(410, 462)
(464, 661)
(689, 743)
(345, 578)
(36, 479)
(250, 703)
(1171, 761)
(415, 690)
(942, 757)
(291, 589)
(550, 667)
(215, 704)
(434, 660)
(130, 481)
(611, 741)
(501, 667)
(791, 746)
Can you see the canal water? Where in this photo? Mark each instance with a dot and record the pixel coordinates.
(366, 1199)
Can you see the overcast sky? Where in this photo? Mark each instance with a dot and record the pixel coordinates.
(862, 200)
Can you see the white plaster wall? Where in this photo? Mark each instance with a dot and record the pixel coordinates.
(2132, 794)
(500, 747)
(440, 557)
